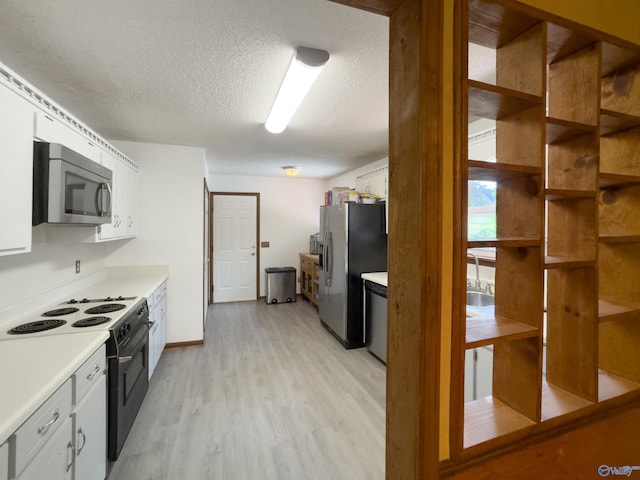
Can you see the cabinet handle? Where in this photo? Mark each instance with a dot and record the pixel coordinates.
(45, 427)
(73, 455)
(84, 441)
(94, 373)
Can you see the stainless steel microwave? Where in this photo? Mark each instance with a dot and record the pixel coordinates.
(68, 188)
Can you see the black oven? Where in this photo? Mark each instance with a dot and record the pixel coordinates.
(127, 360)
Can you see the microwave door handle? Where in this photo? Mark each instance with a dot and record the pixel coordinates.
(103, 192)
(107, 211)
(98, 200)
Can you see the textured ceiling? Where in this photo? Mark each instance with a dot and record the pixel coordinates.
(205, 73)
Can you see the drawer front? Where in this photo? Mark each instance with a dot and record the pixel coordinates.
(41, 426)
(160, 301)
(160, 292)
(91, 372)
(54, 461)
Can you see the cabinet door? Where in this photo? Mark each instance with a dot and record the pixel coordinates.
(470, 359)
(90, 436)
(484, 372)
(4, 461)
(163, 320)
(120, 191)
(16, 166)
(55, 460)
(133, 185)
(106, 231)
(50, 129)
(153, 340)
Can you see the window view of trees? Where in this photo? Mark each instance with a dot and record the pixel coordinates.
(482, 195)
(482, 210)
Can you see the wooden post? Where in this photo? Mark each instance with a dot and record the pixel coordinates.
(415, 235)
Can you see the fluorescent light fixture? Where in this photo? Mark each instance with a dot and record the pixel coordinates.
(303, 71)
(291, 170)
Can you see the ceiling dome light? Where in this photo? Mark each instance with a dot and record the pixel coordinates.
(291, 171)
(303, 70)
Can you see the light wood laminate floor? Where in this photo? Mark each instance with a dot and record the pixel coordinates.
(271, 395)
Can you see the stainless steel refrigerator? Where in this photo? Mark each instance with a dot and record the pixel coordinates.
(353, 242)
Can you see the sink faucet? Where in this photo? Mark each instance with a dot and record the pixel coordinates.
(475, 257)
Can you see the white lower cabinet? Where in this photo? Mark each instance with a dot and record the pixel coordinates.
(55, 460)
(478, 373)
(90, 419)
(158, 330)
(4, 461)
(484, 372)
(90, 435)
(66, 438)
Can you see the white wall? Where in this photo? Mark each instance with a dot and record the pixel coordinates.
(170, 230)
(48, 266)
(349, 179)
(289, 213)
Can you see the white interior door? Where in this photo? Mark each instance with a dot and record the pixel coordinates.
(235, 239)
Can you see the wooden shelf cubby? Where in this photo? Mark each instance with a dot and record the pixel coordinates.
(559, 130)
(620, 91)
(566, 107)
(572, 323)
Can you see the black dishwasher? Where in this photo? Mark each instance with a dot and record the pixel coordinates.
(375, 327)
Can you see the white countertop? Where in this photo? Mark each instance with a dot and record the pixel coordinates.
(126, 281)
(109, 282)
(31, 369)
(376, 277)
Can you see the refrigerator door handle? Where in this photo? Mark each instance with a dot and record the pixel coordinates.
(329, 260)
(324, 257)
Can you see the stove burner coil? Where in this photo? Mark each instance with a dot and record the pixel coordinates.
(106, 308)
(60, 311)
(91, 321)
(37, 326)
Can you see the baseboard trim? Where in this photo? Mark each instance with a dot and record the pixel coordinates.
(192, 343)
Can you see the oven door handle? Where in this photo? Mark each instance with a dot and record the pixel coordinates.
(125, 359)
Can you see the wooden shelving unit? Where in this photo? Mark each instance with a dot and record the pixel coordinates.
(309, 286)
(516, 103)
(567, 111)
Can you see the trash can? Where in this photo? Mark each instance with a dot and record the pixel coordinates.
(281, 284)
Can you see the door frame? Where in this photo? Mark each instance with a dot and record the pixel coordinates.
(206, 210)
(211, 245)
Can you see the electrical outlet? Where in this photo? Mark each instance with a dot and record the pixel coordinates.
(264, 244)
(77, 266)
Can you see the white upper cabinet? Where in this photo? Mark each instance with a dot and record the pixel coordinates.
(106, 231)
(27, 115)
(133, 187)
(123, 222)
(52, 130)
(16, 170)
